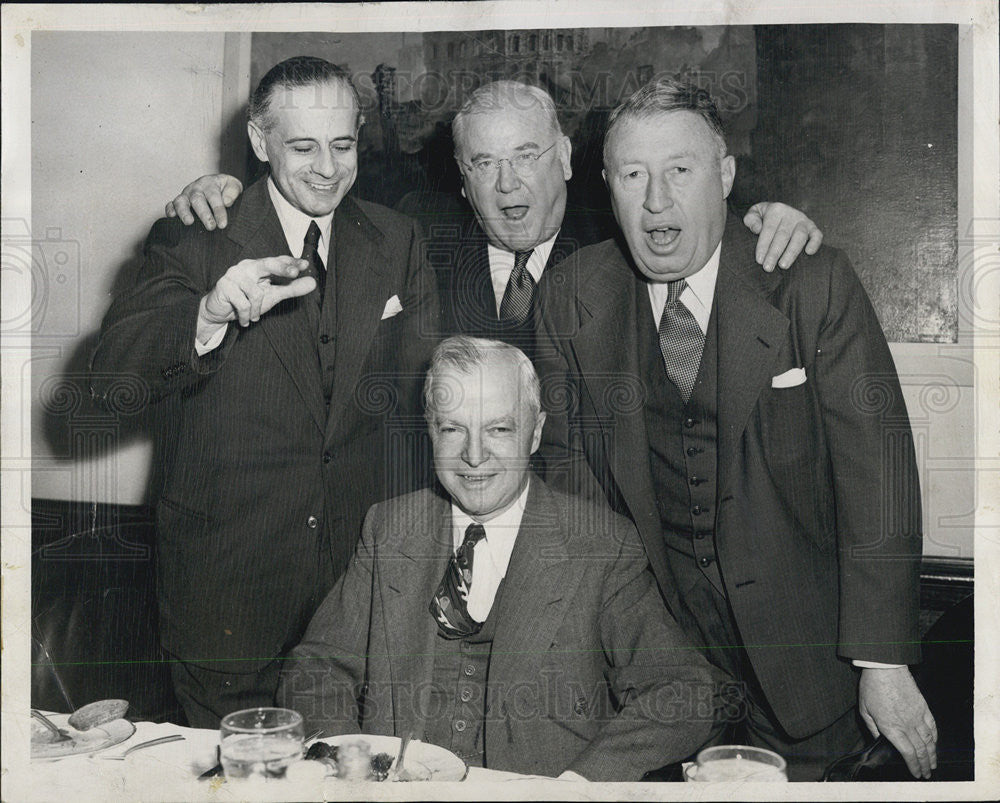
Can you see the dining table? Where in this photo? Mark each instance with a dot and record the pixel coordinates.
(170, 771)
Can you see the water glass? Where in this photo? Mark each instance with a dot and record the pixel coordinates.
(734, 762)
(260, 742)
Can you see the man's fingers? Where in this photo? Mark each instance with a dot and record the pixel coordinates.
(753, 219)
(815, 240)
(779, 242)
(908, 751)
(218, 207)
(202, 209)
(279, 292)
(283, 266)
(180, 207)
(765, 244)
(231, 191)
(869, 723)
(795, 245)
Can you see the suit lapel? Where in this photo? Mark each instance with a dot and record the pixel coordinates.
(538, 587)
(475, 284)
(415, 552)
(257, 230)
(607, 352)
(363, 287)
(751, 331)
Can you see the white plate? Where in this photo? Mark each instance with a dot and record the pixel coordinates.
(82, 742)
(443, 765)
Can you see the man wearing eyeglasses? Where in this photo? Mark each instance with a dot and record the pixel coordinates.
(514, 161)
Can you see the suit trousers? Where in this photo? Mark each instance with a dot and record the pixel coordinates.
(707, 618)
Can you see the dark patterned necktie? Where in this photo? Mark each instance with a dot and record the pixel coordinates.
(310, 252)
(450, 606)
(681, 340)
(517, 297)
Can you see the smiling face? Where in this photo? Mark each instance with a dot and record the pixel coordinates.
(668, 191)
(517, 212)
(484, 432)
(310, 140)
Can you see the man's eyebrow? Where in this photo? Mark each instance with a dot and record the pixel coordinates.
(345, 138)
(527, 146)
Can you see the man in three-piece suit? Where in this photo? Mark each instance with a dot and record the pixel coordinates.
(294, 379)
(514, 161)
(482, 616)
(751, 424)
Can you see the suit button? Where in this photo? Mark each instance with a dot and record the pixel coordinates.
(699, 536)
(697, 510)
(704, 562)
(692, 451)
(460, 725)
(466, 695)
(695, 481)
(470, 670)
(327, 457)
(312, 522)
(689, 422)
(324, 339)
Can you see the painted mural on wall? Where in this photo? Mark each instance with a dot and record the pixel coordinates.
(855, 124)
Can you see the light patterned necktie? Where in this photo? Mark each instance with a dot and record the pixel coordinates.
(517, 297)
(681, 340)
(310, 253)
(450, 606)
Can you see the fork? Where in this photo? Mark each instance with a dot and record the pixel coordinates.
(176, 737)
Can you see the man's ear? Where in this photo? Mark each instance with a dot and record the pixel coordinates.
(536, 438)
(258, 141)
(565, 148)
(728, 171)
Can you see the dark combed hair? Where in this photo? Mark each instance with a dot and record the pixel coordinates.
(296, 72)
(669, 95)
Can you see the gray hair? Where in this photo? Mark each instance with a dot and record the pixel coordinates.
(668, 95)
(504, 95)
(464, 354)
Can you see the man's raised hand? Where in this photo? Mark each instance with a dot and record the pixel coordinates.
(247, 291)
(208, 197)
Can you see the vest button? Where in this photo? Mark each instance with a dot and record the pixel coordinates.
(704, 562)
(692, 451)
(699, 536)
(466, 695)
(324, 339)
(470, 670)
(327, 457)
(312, 522)
(694, 481)
(689, 422)
(697, 510)
(460, 725)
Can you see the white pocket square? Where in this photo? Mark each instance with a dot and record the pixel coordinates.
(789, 379)
(392, 307)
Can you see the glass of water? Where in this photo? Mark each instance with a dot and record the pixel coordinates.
(733, 762)
(260, 742)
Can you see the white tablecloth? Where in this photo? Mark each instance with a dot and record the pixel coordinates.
(170, 772)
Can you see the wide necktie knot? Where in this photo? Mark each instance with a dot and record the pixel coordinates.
(450, 605)
(681, 340)
(519, 293)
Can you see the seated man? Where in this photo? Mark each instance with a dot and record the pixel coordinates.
(514, 625)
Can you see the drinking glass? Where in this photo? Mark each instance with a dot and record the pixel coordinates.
(260, 742)
(734, 762)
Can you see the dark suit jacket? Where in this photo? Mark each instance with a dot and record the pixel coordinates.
(818, 531)
(588, 670)
(265, 478)
(460, 258)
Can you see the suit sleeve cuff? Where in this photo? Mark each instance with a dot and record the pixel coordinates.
(875, 665)
(201, 349)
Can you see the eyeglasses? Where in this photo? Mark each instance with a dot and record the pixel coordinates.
(524, 164)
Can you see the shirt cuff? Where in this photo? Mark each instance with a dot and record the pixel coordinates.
(201, 349)
(875, 665)
(569, 775)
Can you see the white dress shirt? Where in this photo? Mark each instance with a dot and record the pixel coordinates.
(697, 297)
(294, 225)
(502, 264)
(491, 555)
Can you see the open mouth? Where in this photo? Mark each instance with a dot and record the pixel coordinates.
(514, 212)
(663, 238)
(476, 479)
(328, 188)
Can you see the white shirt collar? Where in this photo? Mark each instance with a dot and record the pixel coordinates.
(502, 263)
(697, 296)
(295, 223)
(501, 531)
